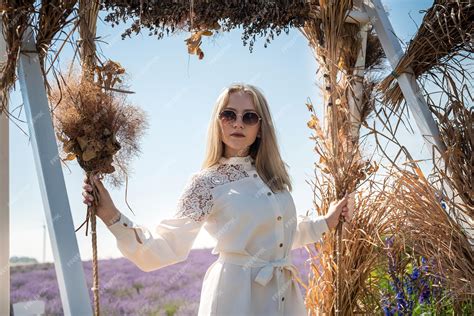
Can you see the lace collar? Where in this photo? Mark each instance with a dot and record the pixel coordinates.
(247, 161)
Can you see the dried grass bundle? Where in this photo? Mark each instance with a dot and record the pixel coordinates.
(336, 46)
(98, 127)
(359, 254)
(455, 120)
(363, 254)
(419, 219)
(15, 18)
(53, 17)
(444, 36)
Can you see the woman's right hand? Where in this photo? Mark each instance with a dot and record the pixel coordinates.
(106, 209)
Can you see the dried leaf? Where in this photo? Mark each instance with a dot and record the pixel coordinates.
(88, 155)
(82, 141)
(70, 156)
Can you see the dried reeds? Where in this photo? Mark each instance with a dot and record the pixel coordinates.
(420, 219)
(363, 254)
(444, 36)
(15, 17)
(53, 17)
(336, 45)
(359, 239)
(455, 120)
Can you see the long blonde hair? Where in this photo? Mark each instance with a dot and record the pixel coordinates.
(264, 150)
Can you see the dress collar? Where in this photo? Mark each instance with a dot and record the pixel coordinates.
(246, 161)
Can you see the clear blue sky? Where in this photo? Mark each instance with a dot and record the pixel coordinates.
(168, 82)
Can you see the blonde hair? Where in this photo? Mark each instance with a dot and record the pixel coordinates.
(264, 150)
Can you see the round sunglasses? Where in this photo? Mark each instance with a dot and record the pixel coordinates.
(249, 118)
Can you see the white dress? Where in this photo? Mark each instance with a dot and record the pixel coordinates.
(254, 228)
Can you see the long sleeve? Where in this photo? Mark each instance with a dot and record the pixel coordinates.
(173, 237)
(308, 230)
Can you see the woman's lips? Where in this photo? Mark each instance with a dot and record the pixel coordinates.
(237, 135)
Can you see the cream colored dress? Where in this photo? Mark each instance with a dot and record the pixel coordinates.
(255, 230)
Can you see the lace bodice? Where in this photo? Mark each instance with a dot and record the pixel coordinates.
(196, 201)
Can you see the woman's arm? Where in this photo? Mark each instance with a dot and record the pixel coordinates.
(171, 242)
(310, 230)
(172, 239)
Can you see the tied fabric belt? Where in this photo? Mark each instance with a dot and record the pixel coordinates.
(265, 274)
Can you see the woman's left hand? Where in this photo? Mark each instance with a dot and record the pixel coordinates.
(344, 207)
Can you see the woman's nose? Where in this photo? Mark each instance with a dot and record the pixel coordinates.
(238, 121)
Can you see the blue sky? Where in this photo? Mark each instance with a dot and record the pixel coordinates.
(169, 83)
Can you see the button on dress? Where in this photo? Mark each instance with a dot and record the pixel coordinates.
(254, 228)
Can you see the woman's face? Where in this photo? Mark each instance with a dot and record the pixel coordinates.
(240, 102)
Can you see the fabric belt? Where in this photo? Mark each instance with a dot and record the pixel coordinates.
(265, 274)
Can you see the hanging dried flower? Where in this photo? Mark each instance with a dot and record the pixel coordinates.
(194, 43)
(98, 127)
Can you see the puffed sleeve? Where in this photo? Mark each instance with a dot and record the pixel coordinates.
(308, 230)
(173, 237)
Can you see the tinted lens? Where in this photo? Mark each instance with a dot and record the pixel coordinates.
(228, 116)
(250, 118)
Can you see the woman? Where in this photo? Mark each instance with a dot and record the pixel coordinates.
(242, 198)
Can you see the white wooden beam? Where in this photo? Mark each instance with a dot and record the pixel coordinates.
(356, 96)
(67, 260)
(407, 82)
(4, 199)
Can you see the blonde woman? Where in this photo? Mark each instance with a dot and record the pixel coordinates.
(242, 197)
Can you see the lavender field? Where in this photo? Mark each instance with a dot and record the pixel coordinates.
(126, 290)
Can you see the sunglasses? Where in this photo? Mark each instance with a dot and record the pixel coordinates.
(230, 116)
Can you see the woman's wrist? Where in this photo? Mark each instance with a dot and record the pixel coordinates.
(114, 219)
(328, 221)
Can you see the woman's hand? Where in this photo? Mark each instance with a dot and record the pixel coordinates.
(344, 207)
(106, 209)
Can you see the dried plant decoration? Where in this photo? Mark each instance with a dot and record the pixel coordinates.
(256, 18)
(454, 113)
(336, 45)
(194, 43)
(100, 129)
(445, 36)
(54, 16)
(15, 17)
(93, 124)
(442, 240)
(358, 254)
